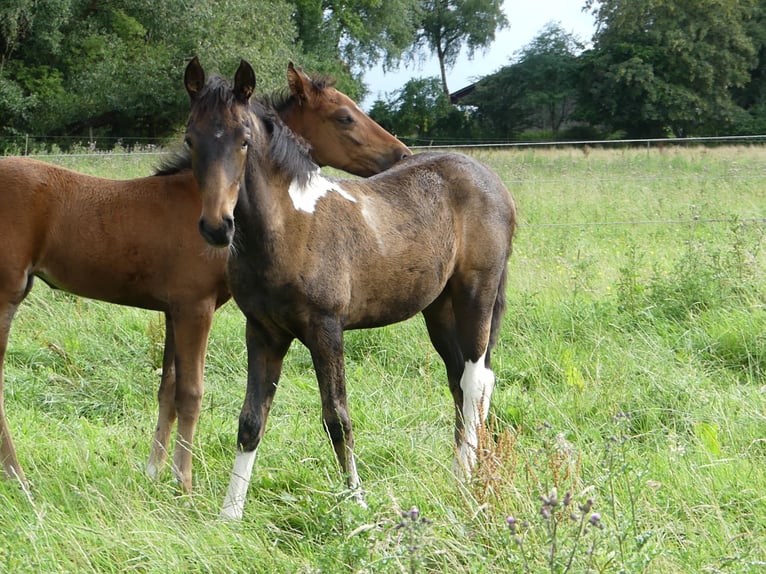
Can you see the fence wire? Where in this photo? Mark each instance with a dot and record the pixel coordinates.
(756, 140)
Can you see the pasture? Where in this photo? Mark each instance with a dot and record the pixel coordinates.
(631, 372)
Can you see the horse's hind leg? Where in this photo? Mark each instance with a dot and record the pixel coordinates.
(474, 302)
(459, 323)
(191, 331)
(166, 397)
(440, 322)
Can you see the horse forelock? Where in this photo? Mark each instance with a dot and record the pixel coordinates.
(323, 82)
(216, 93)
(282, 99)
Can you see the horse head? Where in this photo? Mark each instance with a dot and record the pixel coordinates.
(347, 137)
(219, 135)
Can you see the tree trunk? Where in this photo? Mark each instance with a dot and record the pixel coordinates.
(443, 70)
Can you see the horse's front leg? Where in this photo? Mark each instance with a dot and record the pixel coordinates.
(166, 397)
(265, 352)
(10, 463)
(191, 330)
(327, 354)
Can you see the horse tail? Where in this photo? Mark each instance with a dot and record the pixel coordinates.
(498, 310)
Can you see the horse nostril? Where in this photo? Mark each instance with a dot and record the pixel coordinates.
(217, 236)
(402, 154)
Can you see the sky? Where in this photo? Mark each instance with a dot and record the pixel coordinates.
(527, 18)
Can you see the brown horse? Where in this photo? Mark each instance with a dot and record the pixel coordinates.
(316, 256)
(135, 242)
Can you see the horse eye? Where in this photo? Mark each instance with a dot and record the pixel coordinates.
(245, 145)
(344, 116)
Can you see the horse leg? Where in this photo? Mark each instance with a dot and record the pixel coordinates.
(190, 336)
(166, 396)
(265, 352)
(327, 355)
(7, 451)
(442, 330)
(14, 289)
(473, 297)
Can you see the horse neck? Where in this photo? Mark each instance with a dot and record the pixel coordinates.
(263, 206)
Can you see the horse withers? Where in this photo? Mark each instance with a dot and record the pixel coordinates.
(135, 242)
(317, 256)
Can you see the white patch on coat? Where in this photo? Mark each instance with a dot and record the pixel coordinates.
(477, 383)
(305, 196)
(371, 219)
(234, 503)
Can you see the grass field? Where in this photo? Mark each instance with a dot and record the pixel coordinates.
(631, 374)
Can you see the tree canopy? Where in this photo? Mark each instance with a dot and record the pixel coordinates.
(73, 67)
(669, 66)
(538, 90)
(447, 26)
(654, 68)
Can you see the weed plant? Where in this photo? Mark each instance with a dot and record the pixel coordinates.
(627, 429)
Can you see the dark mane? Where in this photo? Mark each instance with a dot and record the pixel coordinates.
(280, 100)
(174, 162)
(287, 150)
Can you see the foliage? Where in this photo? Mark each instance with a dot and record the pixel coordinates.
(752, 96)
(79, 68)
(667, 67)
(446, 26)
(537, 91)
(420, 113)
(353, 34)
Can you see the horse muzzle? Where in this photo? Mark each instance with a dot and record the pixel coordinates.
(220, 235)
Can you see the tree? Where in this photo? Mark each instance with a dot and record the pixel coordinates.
(752, 96)
(548, 76)
(448, 25)
(115, 68)
(538, 90)
(668, 65)
(342, 37)
(420, 111)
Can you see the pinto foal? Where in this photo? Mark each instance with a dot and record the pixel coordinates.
(317, 256)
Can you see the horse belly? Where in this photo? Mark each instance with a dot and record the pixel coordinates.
(382, 299)
(133, 289)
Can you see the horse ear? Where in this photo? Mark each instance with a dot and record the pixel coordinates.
(244, 82)
(300, 84)
(194, 77)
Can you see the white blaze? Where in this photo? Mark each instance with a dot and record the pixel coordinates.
(305, 196)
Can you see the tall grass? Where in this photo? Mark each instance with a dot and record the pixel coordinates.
(627, 429)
